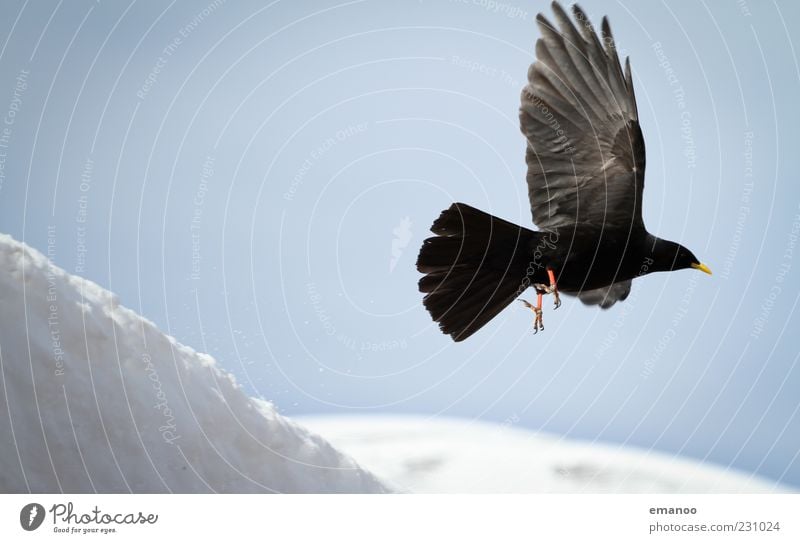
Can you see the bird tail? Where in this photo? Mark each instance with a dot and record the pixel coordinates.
(474, 267)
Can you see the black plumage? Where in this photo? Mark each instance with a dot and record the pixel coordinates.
(586, 162)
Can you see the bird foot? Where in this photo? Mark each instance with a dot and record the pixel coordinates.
(538, 323)
(541, 288)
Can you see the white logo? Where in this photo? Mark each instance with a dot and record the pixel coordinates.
(402, 235)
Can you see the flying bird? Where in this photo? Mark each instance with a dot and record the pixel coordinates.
(586, 158)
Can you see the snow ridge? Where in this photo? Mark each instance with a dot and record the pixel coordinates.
(94, 398)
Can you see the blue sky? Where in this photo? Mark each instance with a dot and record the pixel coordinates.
(256, 179)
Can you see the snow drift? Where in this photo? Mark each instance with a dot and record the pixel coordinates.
(96, 398)
(419, 454)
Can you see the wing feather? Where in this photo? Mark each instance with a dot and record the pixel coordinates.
(607, 296)
(585, 150)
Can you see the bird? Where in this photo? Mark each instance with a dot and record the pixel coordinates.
(585, 157)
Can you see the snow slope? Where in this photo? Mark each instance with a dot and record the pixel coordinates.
(420, 454)
(96, 398)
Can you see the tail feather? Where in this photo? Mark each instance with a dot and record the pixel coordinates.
(475, 266)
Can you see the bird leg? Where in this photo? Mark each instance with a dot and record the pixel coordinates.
(552, 288)
(537, 309)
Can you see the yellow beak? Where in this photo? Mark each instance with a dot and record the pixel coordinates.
(702, 268)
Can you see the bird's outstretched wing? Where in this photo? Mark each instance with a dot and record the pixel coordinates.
(585, 151)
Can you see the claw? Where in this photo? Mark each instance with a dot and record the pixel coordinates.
(549, 289)
(538, 324)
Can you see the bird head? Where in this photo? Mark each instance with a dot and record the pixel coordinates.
(670, 256)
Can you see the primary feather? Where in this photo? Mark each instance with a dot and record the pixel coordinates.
(585, 151)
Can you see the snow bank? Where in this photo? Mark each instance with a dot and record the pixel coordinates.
(450, 455)
(96, 398)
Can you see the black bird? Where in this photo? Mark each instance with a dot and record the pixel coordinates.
(585, 155)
